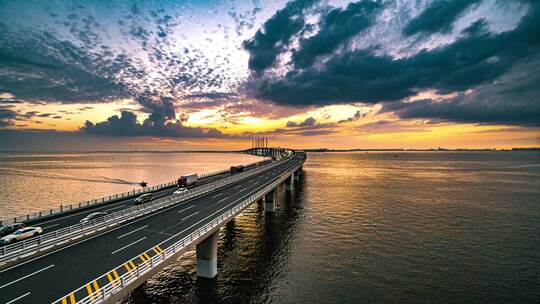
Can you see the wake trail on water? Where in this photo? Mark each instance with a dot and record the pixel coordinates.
(101, 179)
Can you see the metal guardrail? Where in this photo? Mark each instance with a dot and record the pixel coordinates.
(61, 236)
(156, 255)
(99, 201)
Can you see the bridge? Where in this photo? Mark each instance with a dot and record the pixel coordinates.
(105, 259)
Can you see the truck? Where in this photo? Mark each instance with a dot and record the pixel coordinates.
(237, 169)
(187, 180)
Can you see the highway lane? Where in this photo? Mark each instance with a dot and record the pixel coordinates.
(71, 218)
(67, 269)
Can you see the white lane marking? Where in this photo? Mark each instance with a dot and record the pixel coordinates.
(190, 216)
(221, 200)
(132, 231)
(217, 195)
(185, 209)
(243, 189)
(16, 299)
(26, 276)
(47, 227)
(238, 186)
(128, 245)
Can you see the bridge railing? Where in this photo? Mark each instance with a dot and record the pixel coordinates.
(103, 200)
(77, 231)
(107, 290)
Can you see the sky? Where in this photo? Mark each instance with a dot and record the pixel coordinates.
(190, 75)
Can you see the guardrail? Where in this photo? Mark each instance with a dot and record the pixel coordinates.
(158, 255)
(99, 201)
(74, 232)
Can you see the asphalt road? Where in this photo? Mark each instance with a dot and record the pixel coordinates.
(71, 218)
(47, 278)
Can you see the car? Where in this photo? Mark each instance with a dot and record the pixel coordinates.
(21, 234)
(10, 229)
(180, 191)
(93, 216)
(143, 198)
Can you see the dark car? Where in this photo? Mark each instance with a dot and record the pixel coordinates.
(10, 229)
(143, 198)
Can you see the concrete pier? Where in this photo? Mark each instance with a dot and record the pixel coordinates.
(270, 201)
(289, 183)
(207, 256)
(296, 175)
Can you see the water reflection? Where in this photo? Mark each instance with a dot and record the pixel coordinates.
(254, 249)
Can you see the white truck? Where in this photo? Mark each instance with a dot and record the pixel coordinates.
(187, 180)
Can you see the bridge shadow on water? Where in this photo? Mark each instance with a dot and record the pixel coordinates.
(254, 251)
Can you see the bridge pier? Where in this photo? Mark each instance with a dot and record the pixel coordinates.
(297, 175)
(207, 256)
(289, 183)
(270, 201)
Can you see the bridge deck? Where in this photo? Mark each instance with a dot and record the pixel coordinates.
(46, 278)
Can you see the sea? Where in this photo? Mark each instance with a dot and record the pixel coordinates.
(362, 227)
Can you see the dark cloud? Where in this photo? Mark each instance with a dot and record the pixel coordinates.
(479, 27)
(7, 114)
(336, 27)
(127, 125)
(68, 74)
(438, 16)
(308, 122)
(512, 101)
(211, 95)
(364, 75)
(358, 115)
(275, 34)
(10, 101)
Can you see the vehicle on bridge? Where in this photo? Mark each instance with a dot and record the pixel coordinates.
(143, 198)
(187, 180)
(10, 229)
(93, 216)
(21, 234)
(237, 169)
(180, 190)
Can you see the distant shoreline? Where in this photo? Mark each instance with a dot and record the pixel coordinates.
(425, 150)
(320, 150)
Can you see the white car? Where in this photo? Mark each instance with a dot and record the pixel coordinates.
(180, 191)
(93, 216)
(22, 234)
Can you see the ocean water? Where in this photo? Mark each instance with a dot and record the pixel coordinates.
(380, 228)
(38, 181)
(408, 227)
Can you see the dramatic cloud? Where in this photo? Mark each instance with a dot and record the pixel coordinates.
(513, 101)
(276, 34)
(71, 53)
(438, 17)
(474, 59)
(336, 27)
(127, 125)
(236, 63)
